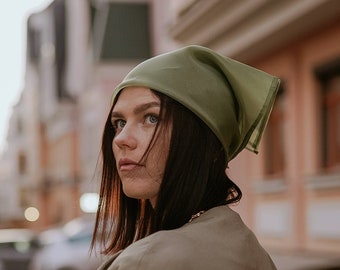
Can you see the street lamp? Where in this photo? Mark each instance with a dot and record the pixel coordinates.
(89, 202)
(32, 214)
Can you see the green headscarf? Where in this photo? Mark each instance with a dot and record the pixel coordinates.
(233, 99)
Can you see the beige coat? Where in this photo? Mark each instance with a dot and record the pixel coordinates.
(218, 239)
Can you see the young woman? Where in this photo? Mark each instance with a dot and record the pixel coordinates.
(176, 121)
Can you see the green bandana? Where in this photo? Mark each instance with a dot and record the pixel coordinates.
(233, 99)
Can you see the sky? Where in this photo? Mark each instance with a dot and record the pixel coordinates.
(13, 16)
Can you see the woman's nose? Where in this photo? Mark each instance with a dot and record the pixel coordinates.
(126, 138)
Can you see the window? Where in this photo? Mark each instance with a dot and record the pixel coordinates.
(20, 126)
(331, 114)
(33, 42)
(121, 31)
(59, 16)
(329, 77)
(274, 138)
(22, 164)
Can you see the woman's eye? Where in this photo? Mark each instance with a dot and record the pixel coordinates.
(119, 124)
(151, 119)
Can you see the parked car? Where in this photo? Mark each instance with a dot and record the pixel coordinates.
(67, 248)
(17, 246)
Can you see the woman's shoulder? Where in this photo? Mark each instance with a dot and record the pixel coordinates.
(161, 250)
(216, 238)
(164, 249)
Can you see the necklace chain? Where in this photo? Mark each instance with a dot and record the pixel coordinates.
(196, 216)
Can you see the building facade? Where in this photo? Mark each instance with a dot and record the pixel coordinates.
(292, 189)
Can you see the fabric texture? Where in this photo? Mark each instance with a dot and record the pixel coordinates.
(233, 99)
(218, 239)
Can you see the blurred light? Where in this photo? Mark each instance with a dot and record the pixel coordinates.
(89, 202)
(32, 214)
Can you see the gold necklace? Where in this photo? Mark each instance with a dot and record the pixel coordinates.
(196, 216)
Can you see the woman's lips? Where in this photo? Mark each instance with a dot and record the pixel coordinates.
(125, 164)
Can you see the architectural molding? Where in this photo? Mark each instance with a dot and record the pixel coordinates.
(327, 181)
(249, 29)
(270, 186)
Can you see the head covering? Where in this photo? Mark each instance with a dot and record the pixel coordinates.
(233, 99)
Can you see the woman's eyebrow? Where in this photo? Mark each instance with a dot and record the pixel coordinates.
(116, 115)
(140, 108)
(144, 107)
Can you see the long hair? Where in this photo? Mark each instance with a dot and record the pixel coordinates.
(194, 180)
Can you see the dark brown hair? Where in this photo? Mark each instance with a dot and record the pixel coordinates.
(194, 180)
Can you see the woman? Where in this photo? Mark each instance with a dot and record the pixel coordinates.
(176, 121)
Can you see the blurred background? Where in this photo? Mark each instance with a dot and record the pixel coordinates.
(70, 54)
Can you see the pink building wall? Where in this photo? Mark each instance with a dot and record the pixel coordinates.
(295, 64)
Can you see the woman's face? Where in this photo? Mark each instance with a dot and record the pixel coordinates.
(134, 117)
